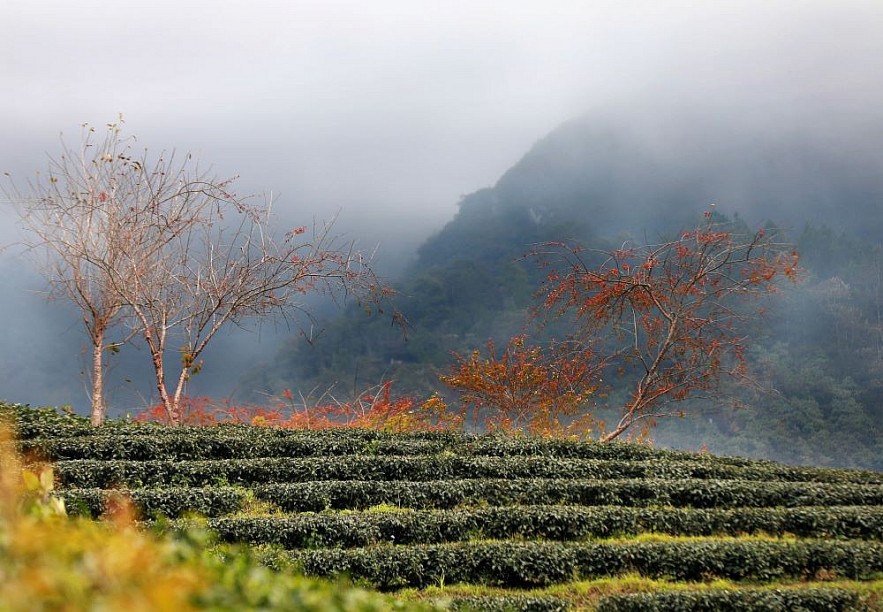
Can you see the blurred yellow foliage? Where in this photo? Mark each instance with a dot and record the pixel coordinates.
(49, 561)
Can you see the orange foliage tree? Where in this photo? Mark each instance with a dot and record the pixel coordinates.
(667, 319)
(539, 390)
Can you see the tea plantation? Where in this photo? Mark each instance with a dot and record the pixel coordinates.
(484, 522)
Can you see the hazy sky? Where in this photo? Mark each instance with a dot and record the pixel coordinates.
(390, 110)
(377, 106)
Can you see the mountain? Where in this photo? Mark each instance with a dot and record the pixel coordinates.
(821, 349)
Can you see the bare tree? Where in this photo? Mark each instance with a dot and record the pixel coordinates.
(177, 256)
(74, 228)
(228, 269)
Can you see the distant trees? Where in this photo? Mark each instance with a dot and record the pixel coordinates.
(663, 319)
(169, 253)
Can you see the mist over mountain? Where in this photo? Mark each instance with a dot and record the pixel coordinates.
(600, 183)
(612, 178)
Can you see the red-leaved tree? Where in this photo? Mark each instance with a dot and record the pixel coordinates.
(536, 389)
(666, 321)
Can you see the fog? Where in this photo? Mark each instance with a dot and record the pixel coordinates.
(387, 112)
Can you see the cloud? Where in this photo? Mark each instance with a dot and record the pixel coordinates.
(415, 103)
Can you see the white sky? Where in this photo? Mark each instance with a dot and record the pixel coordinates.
(385, 107)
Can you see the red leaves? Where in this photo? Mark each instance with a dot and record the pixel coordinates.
(666, 314)
(790, 267)
(375, 409)
(681, 249)
(531, 388)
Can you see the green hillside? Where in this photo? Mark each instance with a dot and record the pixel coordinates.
(817, 357)
(485, 522)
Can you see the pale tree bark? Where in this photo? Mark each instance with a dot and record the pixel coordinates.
(99, 408)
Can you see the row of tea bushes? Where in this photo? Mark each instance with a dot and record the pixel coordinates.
(44, 430)
(717, 600)
(555, 523)
(142, 442)
(360, 494)
(201, 443)
(104, 473)
(444, 494)
(533, 564)
(168, 502)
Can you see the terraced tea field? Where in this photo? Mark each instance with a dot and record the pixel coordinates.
(496, 523)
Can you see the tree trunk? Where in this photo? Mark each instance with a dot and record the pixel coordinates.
(98, 406)
(156, 346)
(610, 436)
(179, 393)
(167, 402)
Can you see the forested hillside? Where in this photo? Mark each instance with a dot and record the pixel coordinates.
(817, 358)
